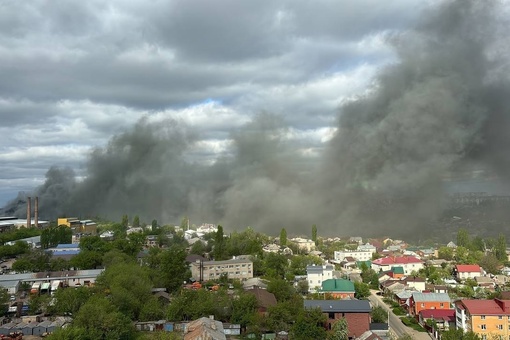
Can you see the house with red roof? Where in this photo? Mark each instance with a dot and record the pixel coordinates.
(467, 271)
(486, 318)
(443, 318)
(408, 263)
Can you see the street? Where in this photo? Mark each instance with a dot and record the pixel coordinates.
(396, 326)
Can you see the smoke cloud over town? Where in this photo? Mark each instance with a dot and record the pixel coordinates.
(439, 111)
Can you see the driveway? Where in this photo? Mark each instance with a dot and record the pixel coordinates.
(396, 326)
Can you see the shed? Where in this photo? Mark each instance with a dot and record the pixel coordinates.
(41, 328)
(57, 324)
(5, 329)
(28, 329)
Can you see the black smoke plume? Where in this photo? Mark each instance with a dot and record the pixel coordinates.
(440, 110)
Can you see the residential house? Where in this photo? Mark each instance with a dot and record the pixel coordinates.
(303, 244)
(204, 328)
(315, 275)
(396, 272)
(402, 297)
(485, 282)
(409, 263)
(338, 289)
(486, 318)
(415, 282)
(355, 312)
(443, 318)
(264, 299)
(358, 255)
(467, 271)
(237, 268)
(422, 301)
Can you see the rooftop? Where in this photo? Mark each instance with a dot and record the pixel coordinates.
(486, 307)
(468, 268)
(337, 285)
(339, 306)
(439, 297)
(389, 260)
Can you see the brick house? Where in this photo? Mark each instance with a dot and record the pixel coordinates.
(338, 288)
(423, 301)
(408, 263)
(355, 312)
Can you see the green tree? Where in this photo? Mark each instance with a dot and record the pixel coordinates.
(314, 233)
(490, 264)
(281, 289)
(339, 331)
(283, 237)
(86, 259)
(243, 309)
(500, 248)
(463, 238)
(101, 319)
(52, 236)
(136, 222)
(379, 315)
(125, 222)
(129, 298)
(275, 265)
(169, 267)
(69, 301)
(154, 225)
(152, 310)
(362, 290)
(219, 245)
(309, 325)
(458, 334)
(445, 253)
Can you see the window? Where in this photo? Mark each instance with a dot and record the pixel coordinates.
(441, 305)
(500, 317)
(331, 315)
(482, 317)
(483, 326)
(422, 305)
(500, 327)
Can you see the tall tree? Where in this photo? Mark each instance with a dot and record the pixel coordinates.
(283, 237)
(136, 221)
(500, 248)
(314, 233)
(125, 222)
(219, 245)
(154, 225)
(309, 325)
(463, 238)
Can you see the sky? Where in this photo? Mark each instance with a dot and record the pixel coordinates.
(350, 114)
(75, 74)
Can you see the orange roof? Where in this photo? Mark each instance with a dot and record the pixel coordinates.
(486, 307)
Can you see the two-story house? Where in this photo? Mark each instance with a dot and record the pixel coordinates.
(408, 263)
(424, 301)
(316, 275)
(338, 289)
(355, 312)
(467, 271)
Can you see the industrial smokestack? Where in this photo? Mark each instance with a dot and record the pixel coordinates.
(36, 212)
(29, 212)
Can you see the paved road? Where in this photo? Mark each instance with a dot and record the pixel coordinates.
(396, 326)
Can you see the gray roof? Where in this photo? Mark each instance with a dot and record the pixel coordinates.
(405, 294)
(232, 261)
(49, 276)
(440, 297)
(340, 306)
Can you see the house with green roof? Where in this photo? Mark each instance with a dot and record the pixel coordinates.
(397, 272)
(338, 288)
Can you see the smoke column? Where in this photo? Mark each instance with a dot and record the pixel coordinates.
(440, 109)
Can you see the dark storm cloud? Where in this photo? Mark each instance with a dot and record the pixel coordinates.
(200, 74)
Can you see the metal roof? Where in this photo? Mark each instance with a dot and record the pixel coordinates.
(428, 297)
(339, 306)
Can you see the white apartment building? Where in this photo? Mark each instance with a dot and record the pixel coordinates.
(359, 255)
(316, 275)
(304, 244)
(212, 270)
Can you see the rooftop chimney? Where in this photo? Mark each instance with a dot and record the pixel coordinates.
(36, 212)
(29, 212)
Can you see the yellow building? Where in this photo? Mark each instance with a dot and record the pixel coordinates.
(487, 318)
(77, 226)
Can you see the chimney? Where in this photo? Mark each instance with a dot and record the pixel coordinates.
(29, 212)
(36, 212)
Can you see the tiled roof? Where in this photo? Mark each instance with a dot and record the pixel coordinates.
(386, 261)
(264, 298)
(337, 285)
(486, 307)
(468, 268)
